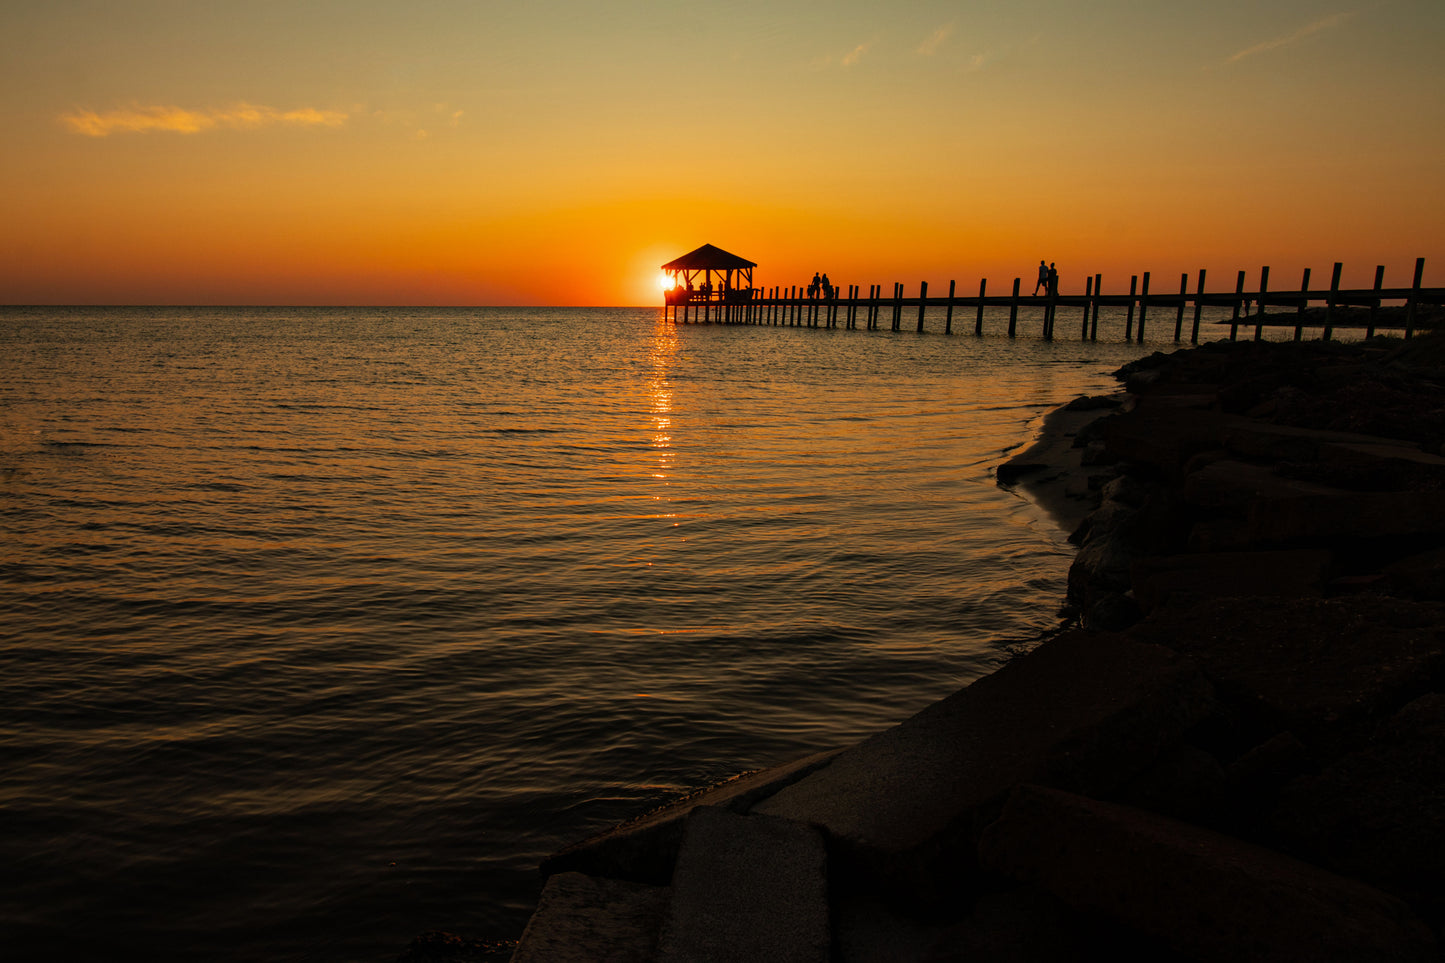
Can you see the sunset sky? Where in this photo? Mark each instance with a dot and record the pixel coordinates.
(551, 152)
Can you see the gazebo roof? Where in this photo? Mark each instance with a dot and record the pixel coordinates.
(709, 258)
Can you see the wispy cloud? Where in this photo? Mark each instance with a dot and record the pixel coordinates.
(1309, 30)
(180, 120)
(852, 57)
(979, 60)
(930, 46)
(849, 59)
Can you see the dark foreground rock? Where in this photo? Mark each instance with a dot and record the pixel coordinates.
(1236, 756)
(1205, 895)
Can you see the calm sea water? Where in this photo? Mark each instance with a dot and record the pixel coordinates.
(319, 628)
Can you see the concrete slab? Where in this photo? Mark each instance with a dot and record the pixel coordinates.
(1208, 896)
(747, 888)
(1082, 711)
(644, 849)
(581, 919)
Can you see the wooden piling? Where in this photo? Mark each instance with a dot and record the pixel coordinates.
(1198, 307)
(1304, 290)
(978, 320)
(922, 303)
(1088, 299)
(1013, 311)
(1259, 307)
(1129, 322)
(1238, 299)
(1414, 298)
(948, 318)
(1183, 293)
(1143, 306)
(1098, 296)
(1375, 304)
(1330, 301)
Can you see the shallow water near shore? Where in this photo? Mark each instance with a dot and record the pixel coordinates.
(321, 627)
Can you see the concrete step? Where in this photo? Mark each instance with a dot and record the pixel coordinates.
(1080, 712)
(747, 888)
(644, 849)
(584, 919)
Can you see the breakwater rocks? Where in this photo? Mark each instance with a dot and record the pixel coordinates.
(1239, 753)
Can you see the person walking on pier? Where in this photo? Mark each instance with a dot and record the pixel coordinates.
(1051, 278)
(1043, 281)
(827, 288)
(815, 285)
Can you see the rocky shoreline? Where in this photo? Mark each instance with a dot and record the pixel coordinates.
(1236, 751)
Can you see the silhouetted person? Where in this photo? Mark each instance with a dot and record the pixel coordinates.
(827, 288)
(1043, 281)
(1052, 277)
(813, 287)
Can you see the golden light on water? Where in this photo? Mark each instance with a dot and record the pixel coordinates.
(664, 348)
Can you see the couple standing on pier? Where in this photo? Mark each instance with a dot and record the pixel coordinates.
(1048, 279)
(820, 286)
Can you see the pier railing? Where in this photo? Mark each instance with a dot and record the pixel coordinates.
(793, 306)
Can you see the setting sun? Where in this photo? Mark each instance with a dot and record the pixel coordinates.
(664, 281)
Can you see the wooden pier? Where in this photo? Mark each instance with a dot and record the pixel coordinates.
(1069, 314)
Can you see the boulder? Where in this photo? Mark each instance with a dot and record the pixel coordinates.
(1379, 812)
(1271, 442)
(1281, 517)
(1287, 574)
(1419, 576)
(1167, 437)
(1230, 485)
(1307, 665)
(1206, 895)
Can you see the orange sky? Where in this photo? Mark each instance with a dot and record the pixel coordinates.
(558, 152)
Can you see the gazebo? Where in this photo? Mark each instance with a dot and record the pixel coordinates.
(694, 281)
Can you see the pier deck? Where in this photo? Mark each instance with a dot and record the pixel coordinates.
(852, 308)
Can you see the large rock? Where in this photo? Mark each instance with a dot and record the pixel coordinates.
(1289, 574)
(1166, 437)
(1312, 517)
(1379, 812)
(747, 888)
(580, 919)
(644, 849)
(1082, 711)
(1307, 665)
(1208, 896)
(1420, 576)
(1270, 442)
(1230, 485)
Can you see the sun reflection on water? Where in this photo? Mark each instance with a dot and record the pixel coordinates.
(659, 389)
